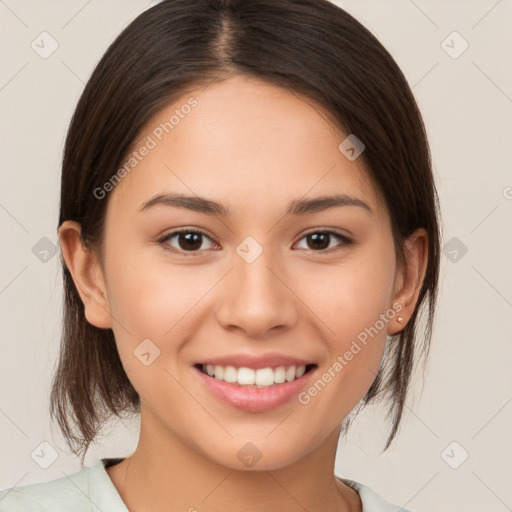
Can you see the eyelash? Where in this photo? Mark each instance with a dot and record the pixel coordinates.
(164, 240)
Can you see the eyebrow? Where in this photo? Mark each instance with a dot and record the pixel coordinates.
(296, 207)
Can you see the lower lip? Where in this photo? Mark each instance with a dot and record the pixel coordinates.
(254, 399)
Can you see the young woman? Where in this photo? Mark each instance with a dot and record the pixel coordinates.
(249, 231)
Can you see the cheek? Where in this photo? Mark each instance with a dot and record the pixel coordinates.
(154, 302)
(351, 297)
(151, 298)
(356, 308)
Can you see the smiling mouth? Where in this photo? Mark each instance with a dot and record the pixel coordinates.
(255, 378)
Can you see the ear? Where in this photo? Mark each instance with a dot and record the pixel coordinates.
(409, 280)
(87, 274)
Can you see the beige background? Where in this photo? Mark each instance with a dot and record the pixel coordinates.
(467, 106)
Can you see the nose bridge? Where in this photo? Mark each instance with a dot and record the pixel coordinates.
(254, 298)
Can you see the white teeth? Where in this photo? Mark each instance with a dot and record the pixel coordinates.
(219, 372)
(230, 374)
(260, 378)
(246, 376)
(264, 377)
(279, 375)
(290, 373)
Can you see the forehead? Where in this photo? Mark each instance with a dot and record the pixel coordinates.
(243, 142)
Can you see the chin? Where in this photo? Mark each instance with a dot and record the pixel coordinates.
(255, 456)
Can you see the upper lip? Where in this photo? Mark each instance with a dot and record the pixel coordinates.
(255, 361)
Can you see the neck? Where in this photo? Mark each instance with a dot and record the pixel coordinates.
(170, 475)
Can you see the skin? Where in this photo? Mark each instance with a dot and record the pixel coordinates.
(252, 147)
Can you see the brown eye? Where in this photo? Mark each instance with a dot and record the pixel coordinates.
(320, 241)
(187, 240)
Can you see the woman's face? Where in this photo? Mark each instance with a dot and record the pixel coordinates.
(261, 288)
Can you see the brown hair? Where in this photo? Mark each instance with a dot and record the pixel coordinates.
(310, 47)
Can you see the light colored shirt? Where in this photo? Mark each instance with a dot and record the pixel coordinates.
(91, 490)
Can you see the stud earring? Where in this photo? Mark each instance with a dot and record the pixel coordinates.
(400, 319)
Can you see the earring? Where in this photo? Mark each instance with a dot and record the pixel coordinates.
(400, 319)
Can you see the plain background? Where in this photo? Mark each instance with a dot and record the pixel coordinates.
(466, 100)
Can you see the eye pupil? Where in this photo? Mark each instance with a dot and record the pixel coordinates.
(191, 238)
(322, 237)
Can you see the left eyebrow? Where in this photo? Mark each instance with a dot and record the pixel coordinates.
(296, 207)
(305, 206)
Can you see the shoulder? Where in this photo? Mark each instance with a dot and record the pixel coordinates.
(372, 502)
(78, 492)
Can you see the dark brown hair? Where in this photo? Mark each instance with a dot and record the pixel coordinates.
(310, 47)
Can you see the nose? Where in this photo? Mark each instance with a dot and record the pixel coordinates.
(256, 298)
